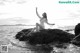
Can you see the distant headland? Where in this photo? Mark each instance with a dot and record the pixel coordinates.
(17, 25)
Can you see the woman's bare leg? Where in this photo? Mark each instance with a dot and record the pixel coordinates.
(38, 27)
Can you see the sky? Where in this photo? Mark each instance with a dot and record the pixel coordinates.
(24, 12)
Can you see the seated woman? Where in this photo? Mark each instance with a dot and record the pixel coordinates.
(43, 20)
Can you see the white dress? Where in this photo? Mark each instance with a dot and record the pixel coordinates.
(43, 22)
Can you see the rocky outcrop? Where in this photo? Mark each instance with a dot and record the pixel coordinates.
(45, 36)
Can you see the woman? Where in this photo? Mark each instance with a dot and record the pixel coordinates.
(43, 20)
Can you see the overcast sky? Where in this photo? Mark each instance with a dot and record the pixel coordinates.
(24, 11)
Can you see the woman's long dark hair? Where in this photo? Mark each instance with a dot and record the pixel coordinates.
(44, 15)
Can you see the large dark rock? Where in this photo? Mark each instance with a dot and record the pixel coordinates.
(44, 38)
(77, 32)
(76, 41)
(77, 29)
(48, 36)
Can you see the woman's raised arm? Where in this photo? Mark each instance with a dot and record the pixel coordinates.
(37, 13)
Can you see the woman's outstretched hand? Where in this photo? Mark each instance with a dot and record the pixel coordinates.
(53, 24)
